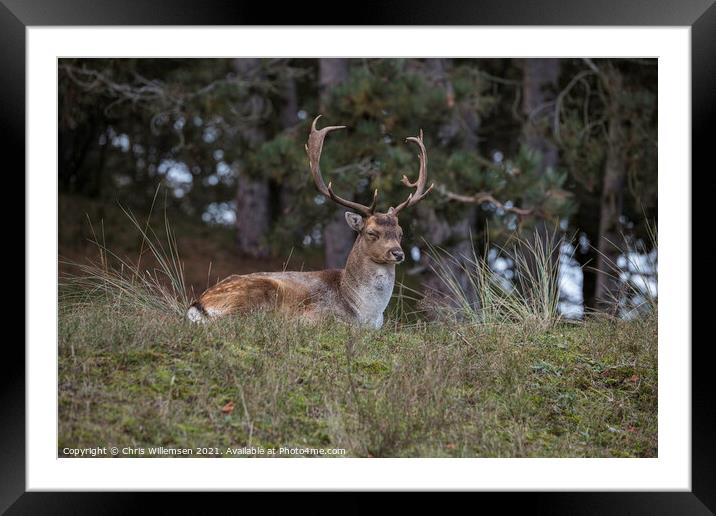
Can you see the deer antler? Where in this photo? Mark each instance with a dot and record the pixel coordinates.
(419, 183)
(313, 149)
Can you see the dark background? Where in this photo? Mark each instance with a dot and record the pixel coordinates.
(565, 145)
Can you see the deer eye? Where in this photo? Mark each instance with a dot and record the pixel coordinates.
(373, 234)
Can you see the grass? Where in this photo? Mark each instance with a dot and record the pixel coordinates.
(146, 379)
(506, 378)
(129, 284)
(476, 294)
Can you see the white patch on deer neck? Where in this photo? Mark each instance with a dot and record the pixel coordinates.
(369, 298)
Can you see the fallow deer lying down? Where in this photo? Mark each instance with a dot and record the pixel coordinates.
(357, 294)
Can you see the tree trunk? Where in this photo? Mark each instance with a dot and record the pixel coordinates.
(252, 216)
(607, 281)
(539, 82)
(338, 238)
(460, 130)
(253, 213)
(540, 78)
(289, 106)
(288, 117)
(587, 220)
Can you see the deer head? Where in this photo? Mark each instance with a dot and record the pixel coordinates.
(379, 234)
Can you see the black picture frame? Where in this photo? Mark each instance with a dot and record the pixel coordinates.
(17, 15)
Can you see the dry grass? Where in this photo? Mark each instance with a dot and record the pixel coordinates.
(476, 294)
(131, 284)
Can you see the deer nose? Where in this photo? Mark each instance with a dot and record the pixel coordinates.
(397, 254)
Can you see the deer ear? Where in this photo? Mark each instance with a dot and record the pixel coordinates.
(355, 221)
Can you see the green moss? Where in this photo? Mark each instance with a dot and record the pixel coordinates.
(586, 390)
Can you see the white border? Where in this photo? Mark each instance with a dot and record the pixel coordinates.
(670, 471)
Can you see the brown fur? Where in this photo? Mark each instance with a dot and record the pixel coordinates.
(311, 294)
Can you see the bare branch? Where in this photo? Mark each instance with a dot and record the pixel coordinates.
(560, 98)
(482, 197)
(593, 67)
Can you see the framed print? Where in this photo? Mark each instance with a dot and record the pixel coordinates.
(417, 253)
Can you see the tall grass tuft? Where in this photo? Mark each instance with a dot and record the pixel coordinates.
(635, 295)
(475, 293)
(159, 287)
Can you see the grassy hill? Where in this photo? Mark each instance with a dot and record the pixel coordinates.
(133, 374)
(141, 380)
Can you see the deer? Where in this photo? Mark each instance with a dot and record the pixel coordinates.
(359, 293)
